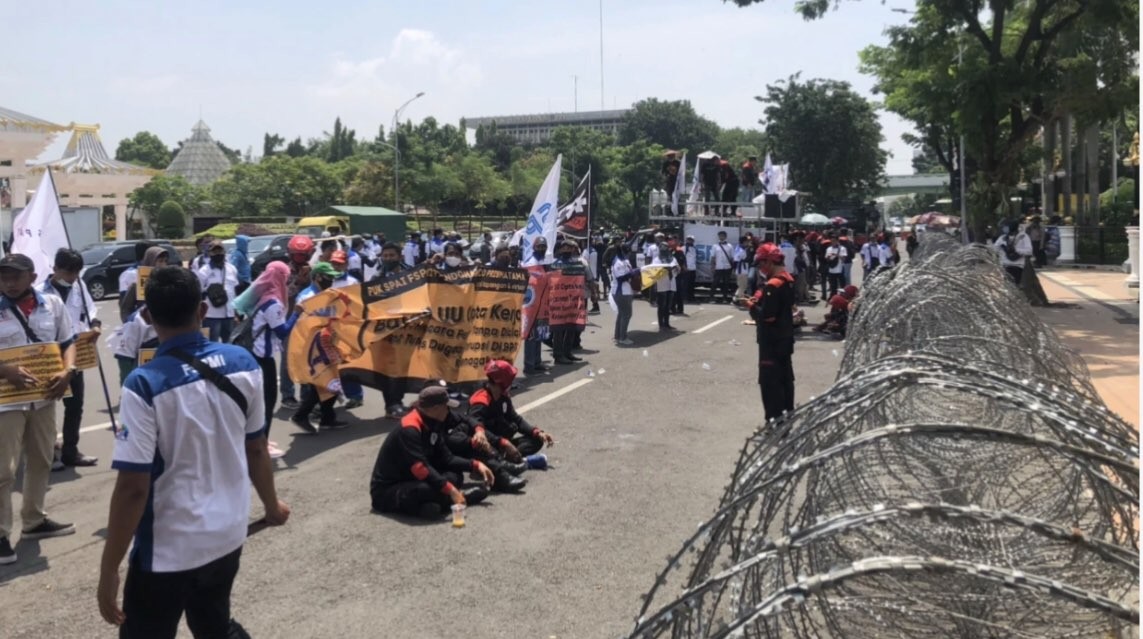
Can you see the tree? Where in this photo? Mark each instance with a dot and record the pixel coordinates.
(829, 135)
(926, 162)
(583, 149)
(371, 185)
(739, 144)
(271, 144)
(480, 183)
(145, 149)
(637, 169)
(671, 124)
(234, 155)
(296, 148)
(172, 222)
(279, 185)
(160, 189)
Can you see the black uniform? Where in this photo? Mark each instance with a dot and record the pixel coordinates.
(729, 179)
(670, 173)
(460, 429)
(499, 418)
(415, 467)
(773, 313)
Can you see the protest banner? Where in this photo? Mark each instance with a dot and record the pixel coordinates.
(85, 350)
(141, 283)
(567, 305)
(535, 325)
(423, 323)
(42, 360)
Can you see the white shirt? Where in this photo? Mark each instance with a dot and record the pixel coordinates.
(1023, 247)
(354, 261)
(127, 279)
(266, 320)
(789, 253)
(651, 251)
(345, 279)
(619, 268)
(228, 277)
(839, 252)
(691, 254)
(590, 261)
(886, 255)
(411, 253)
(667, 282)
(80, 313)
(867, 254)
(133, 335)
(49, 322)
(721, 256)
(191, 437)
(741, 263)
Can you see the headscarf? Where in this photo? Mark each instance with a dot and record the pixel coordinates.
(270, 285)
(152, 255)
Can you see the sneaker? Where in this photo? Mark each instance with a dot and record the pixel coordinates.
(475, 495)
(290, 402)
(626, 342)
(7, 555)
(304, 423)
(537, 462)
(79, 459)
(48, 528)
(58, 465)
(354, 403)
(275, 452)
(336, 424)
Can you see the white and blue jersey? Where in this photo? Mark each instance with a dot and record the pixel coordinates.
(191, 438)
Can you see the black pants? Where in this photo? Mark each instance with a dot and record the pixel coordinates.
(1040, 255)
(407, 497)
(686, 287)
(723, 284)
(730, 194)
(154, 602)
(1015, 273)
(393, 390)
(776, 378)
(73, 415)
(563, 340)
(527, 444)
(824, 276)
(310, 400)
(836, 281)
(663, 308)
(269, 387)
(682, 282)
(461, 445)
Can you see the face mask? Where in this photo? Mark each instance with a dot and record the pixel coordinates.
(566, 256)
(452, 260)
(217, 260)
(324, 283)
(391, 265)
(63, 284)
(540, 252)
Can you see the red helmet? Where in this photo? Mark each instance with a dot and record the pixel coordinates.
(501, 373)
(850, 291)
(769, 253)
(300, 248)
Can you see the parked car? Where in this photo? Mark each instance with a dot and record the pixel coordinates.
(265, 249)
(499, 238)
(104, 263)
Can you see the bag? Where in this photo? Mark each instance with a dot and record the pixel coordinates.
(216, 294)
(1010, 252)
(244, 335)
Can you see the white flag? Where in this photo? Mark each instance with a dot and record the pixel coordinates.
(680, 184)
(38, 231)
(693, 208)
(542, 219)
(768, 175)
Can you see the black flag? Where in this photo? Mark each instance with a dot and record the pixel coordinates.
(573, 216)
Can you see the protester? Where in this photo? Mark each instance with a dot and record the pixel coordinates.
(66, 284)
(415, 472)
(392, 389)
(837, 318)
(772, 310)
(749, 178)
(29, 429)
(847, 258)
(1038, 238)
(240, 259)
(502, 258)
(680, 257)
(202, 248)
(533, 359)
(665, 287)
(299, 250)
(835, 255)
(437, 243)
(360, 259)
(563, 337)
(453, 257)
(128, 279)
(729, 179)
(340, 262)
(413, 250)
(687, 278)
(622, 294)
(135, 333)
(1014, 246)
(183, 488)
(722, 261)
(265, 304)
(219, 281)
(491, 408)
(743, 260)
(322, 275)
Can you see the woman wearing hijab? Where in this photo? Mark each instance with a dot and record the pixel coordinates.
(265, 303)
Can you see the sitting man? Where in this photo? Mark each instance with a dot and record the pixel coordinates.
(466, 438)
(415, 473)
(491, 408)
(837, 318)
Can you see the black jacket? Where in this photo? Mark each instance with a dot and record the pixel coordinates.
(417, 452)
(773, 314)
(498, 416)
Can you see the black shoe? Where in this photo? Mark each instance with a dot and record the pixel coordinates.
(304, 423)
(336, 424)
(506, 483)
(430, 510)
(7, 555)
(290, 403)
(563, 361)
(475, 495)
(514, 469)
(48, 528)
(79, 459)
(574, 358)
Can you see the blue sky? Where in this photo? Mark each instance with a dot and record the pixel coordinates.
(291, 67)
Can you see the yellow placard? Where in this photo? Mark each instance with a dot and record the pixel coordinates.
(205, 332)
(146, 355)
(41, 360)
(141, 283)
(86, 354)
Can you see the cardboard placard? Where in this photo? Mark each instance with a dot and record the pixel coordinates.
(86, 353)
(141, 283)
(43, 360)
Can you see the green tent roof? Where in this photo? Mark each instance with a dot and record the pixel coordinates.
(378, 211)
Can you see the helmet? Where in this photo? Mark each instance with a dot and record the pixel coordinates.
(769, 253)
(300, 244)
(501, 373)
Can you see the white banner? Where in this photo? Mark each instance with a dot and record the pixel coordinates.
(38, 231)
(680, 184)
(542, 219)
(706, 243)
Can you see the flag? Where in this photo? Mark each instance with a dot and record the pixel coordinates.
(542, 219)
(768, 175)
(680, 184)
(693, 199)
(573, 218)
(38, 231)
(652, 273)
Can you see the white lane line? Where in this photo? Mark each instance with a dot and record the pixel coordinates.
(554, 395)
(712, 324)
(92, 429)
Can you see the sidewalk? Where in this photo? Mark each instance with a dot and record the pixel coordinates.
(1104, 329)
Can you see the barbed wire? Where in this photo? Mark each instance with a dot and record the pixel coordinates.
(961, 478)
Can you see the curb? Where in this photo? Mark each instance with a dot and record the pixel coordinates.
(1085, 267)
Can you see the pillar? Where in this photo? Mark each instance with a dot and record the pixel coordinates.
(1067, 245)
(120, 222)
(1048, 199)
(1066, 128)
(1133, 256)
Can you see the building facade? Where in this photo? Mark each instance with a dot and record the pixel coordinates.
(538, 128)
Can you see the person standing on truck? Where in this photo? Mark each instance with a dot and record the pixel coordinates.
(670, 173)
(729, 179)
(708, 170)
(749, 178)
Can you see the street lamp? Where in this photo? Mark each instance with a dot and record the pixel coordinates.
(397, 164)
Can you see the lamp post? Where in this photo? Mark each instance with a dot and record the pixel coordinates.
(397, 163)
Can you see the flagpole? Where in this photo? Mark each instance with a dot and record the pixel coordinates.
(87, 300)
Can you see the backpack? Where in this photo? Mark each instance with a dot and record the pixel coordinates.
(1010, 251)
(243, 334)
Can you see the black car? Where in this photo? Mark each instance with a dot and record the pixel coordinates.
(104, 263)
(275, 252)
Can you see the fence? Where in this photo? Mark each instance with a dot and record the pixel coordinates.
(1101, 245)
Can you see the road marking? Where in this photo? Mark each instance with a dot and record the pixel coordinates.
(713, 324)
(92, 429)
(554, 395)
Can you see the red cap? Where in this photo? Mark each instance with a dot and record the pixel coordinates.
(850, 291)
(339, 257)
(501, 373)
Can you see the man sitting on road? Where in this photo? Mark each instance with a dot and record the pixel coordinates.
(415, 472)
(466, 438)
(837, 318)
(491, 408)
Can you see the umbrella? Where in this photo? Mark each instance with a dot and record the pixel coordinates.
(814, 219)
(708, 155)
(839, 221)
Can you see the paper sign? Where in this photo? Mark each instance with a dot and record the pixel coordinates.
(141, 283)
(86, 355)
(41, 360)
(146, 355)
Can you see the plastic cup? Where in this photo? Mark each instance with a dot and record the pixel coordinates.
(458, 515)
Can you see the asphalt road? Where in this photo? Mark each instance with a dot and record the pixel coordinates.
(646, 438)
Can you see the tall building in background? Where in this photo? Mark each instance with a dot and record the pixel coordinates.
(538, 128)
(200, 161)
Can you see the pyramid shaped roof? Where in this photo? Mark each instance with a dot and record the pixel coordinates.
(200, 160)
(15, 121)
(85, 154)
